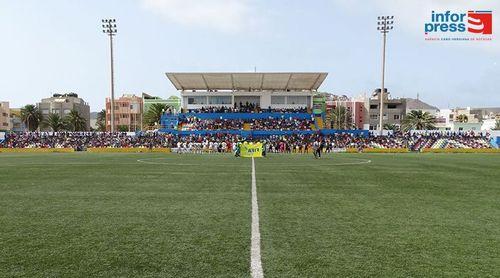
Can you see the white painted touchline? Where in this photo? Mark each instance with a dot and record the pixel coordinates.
(255, 260)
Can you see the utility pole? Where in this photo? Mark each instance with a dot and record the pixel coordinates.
(109, 28)
(384, 25)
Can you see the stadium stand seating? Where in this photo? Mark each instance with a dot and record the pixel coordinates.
(286, 141)
(288, 130)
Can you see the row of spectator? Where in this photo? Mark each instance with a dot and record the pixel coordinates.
(245, 108)
(283, 124)
(287, 143)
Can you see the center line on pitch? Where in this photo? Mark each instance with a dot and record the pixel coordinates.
(255, 260)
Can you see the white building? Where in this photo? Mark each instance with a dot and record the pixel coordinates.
(447, 119)
(275, 90)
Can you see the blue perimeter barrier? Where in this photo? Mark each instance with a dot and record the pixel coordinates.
(267, 133)
(496, 143)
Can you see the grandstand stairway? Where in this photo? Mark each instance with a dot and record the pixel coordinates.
(423, 143)
(169, 122)
(495, 142)
(318, 120)
(247, 126)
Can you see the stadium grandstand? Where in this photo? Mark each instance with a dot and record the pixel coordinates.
(221, 109)
(258, 104)
(289, 142)
(270, 90)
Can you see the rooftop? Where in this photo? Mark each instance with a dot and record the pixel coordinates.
(417, 104)
(294, 81)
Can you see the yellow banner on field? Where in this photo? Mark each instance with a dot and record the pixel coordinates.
(251, 149)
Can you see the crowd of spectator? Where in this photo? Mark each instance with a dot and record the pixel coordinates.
(194, 123)
(82, 140)
(283, 124)
(222, 142)
(245, 108)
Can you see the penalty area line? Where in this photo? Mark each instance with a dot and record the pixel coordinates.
(255, 258)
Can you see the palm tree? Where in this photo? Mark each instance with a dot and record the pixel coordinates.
(341, 118)
(153, 115)
(497, 125)
(31, 116)
(122, 128)
(462, 118)
(75, 121)
(55, 122)
(418, 120)
(393, 127)
(101, 120)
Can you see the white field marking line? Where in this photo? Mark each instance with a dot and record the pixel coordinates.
(255, 259)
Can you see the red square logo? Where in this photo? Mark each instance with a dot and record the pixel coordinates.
(480, 22)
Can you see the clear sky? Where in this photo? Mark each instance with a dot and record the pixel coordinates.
(57, 46)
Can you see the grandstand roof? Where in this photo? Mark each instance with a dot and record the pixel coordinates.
(247, 80)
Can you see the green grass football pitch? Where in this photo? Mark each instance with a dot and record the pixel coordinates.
(166, 215)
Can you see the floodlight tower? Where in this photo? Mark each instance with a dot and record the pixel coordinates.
(109, 28)
(384, 25)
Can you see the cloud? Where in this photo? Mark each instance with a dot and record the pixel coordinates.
(222, 15)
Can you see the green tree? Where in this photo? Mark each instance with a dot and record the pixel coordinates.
(31, 116)
(341, 118)
(418, 120)
(101, 120)
(55, 122)
(497, 125)
(75, 121)
(122, 128)
(462, 118)
(153, 115)
(392, 127)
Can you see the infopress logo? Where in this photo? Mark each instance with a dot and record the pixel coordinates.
(480, 22)
(473, 25)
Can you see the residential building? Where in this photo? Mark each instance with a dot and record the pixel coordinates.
(448, 119)
(16, 121)
(467, 113)
(5, 124)
(444, 119)
(355, 108)
(394, 110)
(62, 104)
(487, 113)
(128, 113)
